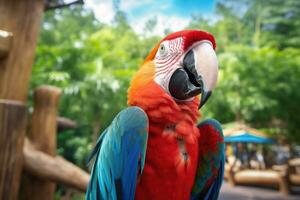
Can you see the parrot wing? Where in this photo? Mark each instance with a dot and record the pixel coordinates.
(209, 175)
(119, 157)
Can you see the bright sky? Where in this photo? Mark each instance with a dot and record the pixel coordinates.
(171, 14)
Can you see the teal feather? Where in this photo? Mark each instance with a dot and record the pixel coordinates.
(119, 154)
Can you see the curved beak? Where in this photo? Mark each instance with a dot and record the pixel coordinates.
(204, 97)
(198, 74)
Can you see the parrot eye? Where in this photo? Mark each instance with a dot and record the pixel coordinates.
(163, 50)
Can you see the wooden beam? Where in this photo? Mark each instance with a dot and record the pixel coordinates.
(43, 137)
(55, 169)
(12, 128)
(65, 123)
(5, 43)
(294, 162)
(263, 178)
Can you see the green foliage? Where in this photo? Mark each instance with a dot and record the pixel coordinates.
(260, 70)
(278, 20)
(258, 86)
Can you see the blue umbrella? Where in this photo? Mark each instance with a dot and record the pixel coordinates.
(247, 138)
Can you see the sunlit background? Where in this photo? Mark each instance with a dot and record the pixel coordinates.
(167, 15)
(91, 52)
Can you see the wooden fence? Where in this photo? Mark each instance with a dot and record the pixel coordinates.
(19, 27)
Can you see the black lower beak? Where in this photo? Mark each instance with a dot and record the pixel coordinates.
(180, 86)
(204, 97)
(185, 82)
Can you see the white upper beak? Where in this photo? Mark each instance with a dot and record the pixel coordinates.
(206, 64)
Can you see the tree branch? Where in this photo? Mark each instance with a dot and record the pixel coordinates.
(50, 5)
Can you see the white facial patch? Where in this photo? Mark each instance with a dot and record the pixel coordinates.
(167, 60)
(170, 55)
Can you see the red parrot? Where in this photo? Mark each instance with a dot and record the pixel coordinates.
(154, 150)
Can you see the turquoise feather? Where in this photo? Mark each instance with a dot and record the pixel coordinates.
(119, 157)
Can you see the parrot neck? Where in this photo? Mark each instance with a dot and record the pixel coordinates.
(161, 108)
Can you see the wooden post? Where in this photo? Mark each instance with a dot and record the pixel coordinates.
(22, 19)
(284, 183)
(12, 128)
(43, 138)
(231, 179)
(231, 174)
(284, 186)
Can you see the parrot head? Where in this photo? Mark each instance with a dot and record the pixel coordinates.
(185, 65)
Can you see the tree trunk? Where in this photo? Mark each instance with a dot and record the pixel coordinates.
(258, 22)
(96, 129)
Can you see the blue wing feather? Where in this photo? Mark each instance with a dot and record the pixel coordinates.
(119, 151)
(204, 172)
(214, 189)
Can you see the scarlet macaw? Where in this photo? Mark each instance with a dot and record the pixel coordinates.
(154, 149)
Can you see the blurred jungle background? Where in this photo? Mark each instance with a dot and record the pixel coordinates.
(258, 47)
